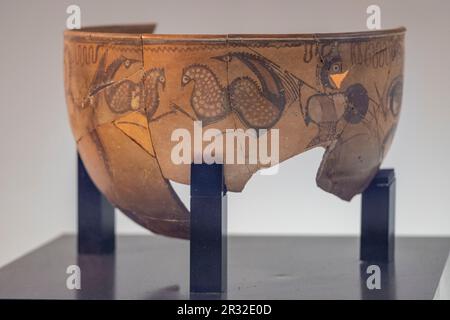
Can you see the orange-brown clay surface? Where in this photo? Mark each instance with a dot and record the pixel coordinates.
(128, 90)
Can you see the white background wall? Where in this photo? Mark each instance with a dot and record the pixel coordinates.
(37, 165)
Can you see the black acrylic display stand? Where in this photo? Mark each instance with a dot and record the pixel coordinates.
(208, 243)
(95, 217)
(262, 267)
(378, 218)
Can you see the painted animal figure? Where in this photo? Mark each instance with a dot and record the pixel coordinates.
(126, 95)
(333, 105)
(259, 104)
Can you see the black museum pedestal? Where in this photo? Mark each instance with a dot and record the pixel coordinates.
(151, 267)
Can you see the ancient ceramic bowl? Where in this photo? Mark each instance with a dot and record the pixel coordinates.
(128, 90)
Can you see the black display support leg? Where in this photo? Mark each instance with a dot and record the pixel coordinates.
(378, 218)
(96, 222)
(208, 245)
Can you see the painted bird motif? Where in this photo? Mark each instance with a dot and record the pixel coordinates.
(126, 95)
(259, 104)
(209, 99)
(333, 105)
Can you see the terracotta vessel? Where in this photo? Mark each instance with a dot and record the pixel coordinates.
(128, 90)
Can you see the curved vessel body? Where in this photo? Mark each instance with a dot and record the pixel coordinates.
(128, 90)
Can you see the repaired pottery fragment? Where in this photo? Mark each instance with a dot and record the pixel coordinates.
(128, 91)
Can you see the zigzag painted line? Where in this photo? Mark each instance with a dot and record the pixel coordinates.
(236, 43)
(161, 48)
(126, 49)
(172, 49)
